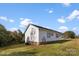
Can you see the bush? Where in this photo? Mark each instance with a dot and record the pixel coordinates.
(69, 34)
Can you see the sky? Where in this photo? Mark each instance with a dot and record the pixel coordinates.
(57, 16)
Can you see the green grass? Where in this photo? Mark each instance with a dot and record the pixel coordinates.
(59, 48)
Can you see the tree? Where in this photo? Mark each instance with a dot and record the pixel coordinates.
(16, 36)
(2, 28)
(8, 37)
(69, 34)
(20, 35)
(3, 35)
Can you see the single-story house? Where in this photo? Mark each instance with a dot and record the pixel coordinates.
(35, 34)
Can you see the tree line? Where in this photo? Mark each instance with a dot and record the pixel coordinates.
(9, 37)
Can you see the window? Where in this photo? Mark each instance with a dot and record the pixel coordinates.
(57, 35)
(43, 39)
(52, 34)
(32, 31)
(32, 34)
(48, 35)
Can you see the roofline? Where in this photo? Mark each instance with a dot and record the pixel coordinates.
(40, 27)
(27, 28)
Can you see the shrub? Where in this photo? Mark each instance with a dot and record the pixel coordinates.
(69, 34)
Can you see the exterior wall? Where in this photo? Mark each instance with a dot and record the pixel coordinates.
(48, 36)
(33, 38)
(37, 35)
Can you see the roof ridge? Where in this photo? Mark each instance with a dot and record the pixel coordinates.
(45, 28)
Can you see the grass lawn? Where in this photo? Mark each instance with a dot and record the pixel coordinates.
(60, 48)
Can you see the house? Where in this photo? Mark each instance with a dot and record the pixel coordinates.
(35, 34)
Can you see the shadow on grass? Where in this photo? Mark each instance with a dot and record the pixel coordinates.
(22, 53)
(59, 41)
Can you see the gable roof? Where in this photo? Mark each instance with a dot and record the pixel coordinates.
(41, 28)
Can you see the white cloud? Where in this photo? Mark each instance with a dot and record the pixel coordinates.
(3, 18)
(50, 11)
(21, 18)
(13, 29)
(73, 15)
(11, 20)
(6, 19)
(63, 28)
(66, 4)
(24, 23)
(75, 29)
(61, 20)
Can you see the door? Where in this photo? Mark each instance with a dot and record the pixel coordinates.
(44, 40)
(28, 41)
